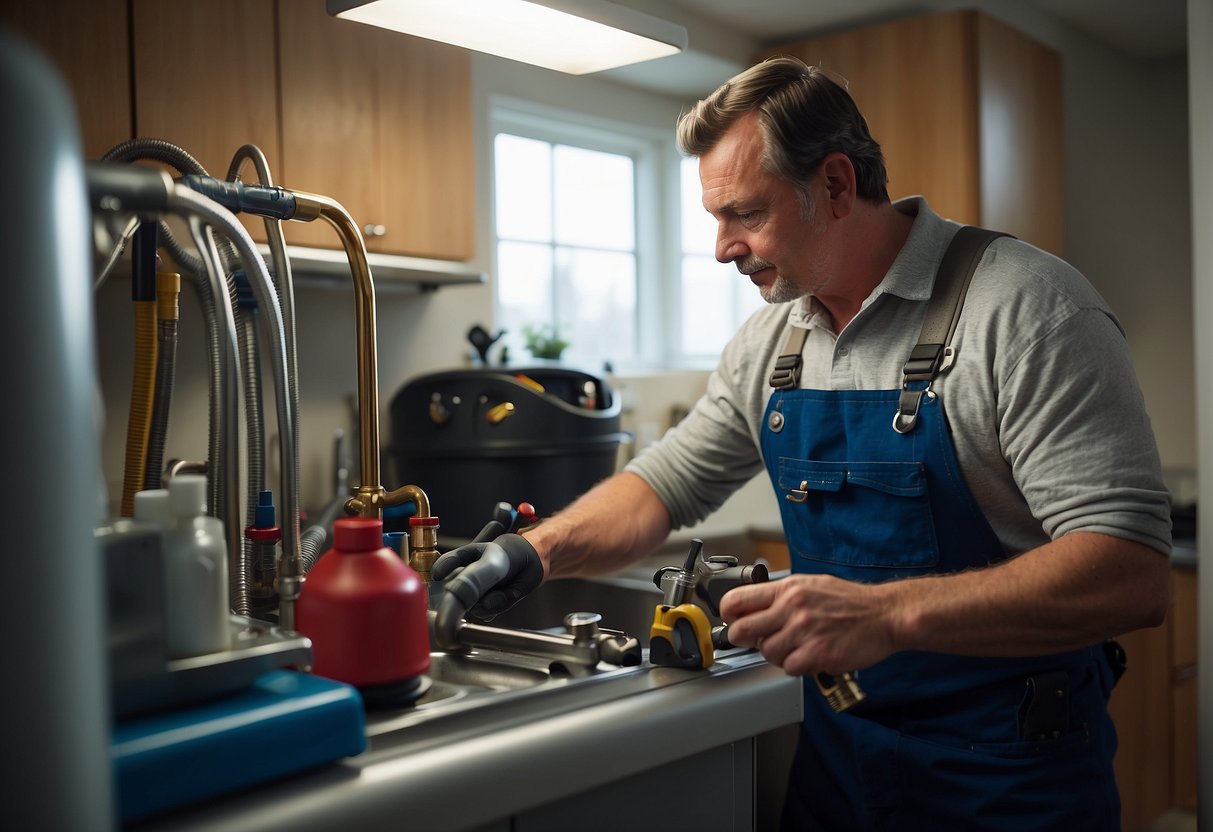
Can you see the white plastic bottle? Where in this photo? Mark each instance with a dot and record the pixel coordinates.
(195, 567)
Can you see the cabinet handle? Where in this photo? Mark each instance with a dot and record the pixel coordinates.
(372, 230)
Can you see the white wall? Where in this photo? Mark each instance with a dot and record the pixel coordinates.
(1200, 62)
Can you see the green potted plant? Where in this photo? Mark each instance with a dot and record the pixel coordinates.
(543, 341)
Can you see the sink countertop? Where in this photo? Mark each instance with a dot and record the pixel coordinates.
(499, 762)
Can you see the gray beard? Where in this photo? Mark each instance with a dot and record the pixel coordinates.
(781, 291)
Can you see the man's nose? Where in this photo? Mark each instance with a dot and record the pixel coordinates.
(729, 248)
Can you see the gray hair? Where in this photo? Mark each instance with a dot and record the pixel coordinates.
(804, 115)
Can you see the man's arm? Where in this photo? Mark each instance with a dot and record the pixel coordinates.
(617, 521)
(1070, 593)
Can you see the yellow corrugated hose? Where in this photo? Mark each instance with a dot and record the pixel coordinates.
(143, 392)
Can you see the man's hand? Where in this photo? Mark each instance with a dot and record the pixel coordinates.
(490, 577)
(811, 623)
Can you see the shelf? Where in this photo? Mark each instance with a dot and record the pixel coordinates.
(330, 269)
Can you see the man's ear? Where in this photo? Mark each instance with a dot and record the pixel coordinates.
(838, 174)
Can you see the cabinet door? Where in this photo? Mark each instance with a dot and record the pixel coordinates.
(380, 122)
(1141, 708)
(89, 45)
(967, 111)
(915, 81)
(205, 80)
(1022, 163)
(1184, 692)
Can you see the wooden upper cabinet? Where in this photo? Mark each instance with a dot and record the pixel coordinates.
(206, 80)
(967, 111)
(382, 123)
(88, 43)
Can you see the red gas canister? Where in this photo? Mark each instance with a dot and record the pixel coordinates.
(365, 611)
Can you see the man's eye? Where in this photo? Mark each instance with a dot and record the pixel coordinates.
(746, 216)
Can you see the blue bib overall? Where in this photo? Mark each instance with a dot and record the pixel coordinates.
(942, 741)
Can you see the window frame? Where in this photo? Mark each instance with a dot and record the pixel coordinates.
(657, 167)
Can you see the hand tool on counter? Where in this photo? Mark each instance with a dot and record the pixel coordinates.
(580, 648)
(682, 635)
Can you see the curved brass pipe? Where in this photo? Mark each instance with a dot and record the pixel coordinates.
(371, 497)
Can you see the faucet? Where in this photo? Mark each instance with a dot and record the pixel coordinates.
(371, 497)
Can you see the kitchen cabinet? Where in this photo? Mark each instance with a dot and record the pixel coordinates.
(1154, 707)
(967, 111)
(378, 121)
(381, 122)
(89, 45)
(1183, 689)
(205, 77)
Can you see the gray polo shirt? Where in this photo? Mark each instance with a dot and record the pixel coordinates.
(1047, 418)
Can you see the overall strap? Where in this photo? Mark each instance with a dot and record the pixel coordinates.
(934, 353)
(786, 374)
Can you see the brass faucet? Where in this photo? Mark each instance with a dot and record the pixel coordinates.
(371, 497)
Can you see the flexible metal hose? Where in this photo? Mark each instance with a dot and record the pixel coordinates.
(221, 482)
(284, 283)
(184, 199)
(156, 150)
(175, 157)
(228, 373)
(254, 420)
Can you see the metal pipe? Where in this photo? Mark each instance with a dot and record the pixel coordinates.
(290, 574)
(228, 411)
(284, 282)
(371, 496)
(369, 501)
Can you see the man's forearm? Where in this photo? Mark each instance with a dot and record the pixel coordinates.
(1075, 591)
(617, 521)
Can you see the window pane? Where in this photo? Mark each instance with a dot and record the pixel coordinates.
(595, 200)
(749, 299)
(707, 322)
(596, 303)
(524, 290)
(524, 188)
(698, 226)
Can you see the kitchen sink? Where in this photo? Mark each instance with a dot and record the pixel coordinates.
(481, 683)
(489, 671)
(625, 603)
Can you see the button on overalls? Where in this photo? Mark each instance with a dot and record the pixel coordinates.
(942, 741)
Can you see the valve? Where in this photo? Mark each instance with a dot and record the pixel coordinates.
(682, 635)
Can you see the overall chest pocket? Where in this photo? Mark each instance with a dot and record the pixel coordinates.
(860, 514)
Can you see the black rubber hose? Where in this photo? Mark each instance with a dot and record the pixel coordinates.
(166, 378)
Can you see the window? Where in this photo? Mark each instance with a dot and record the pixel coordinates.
(601, 236)
(566, 246)
(707, 322)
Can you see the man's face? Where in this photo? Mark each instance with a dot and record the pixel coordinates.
(762, 226)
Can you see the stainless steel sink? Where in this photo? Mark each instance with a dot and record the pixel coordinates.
(479, 685)
(489, 672)
(625, 603)
(480, 681)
